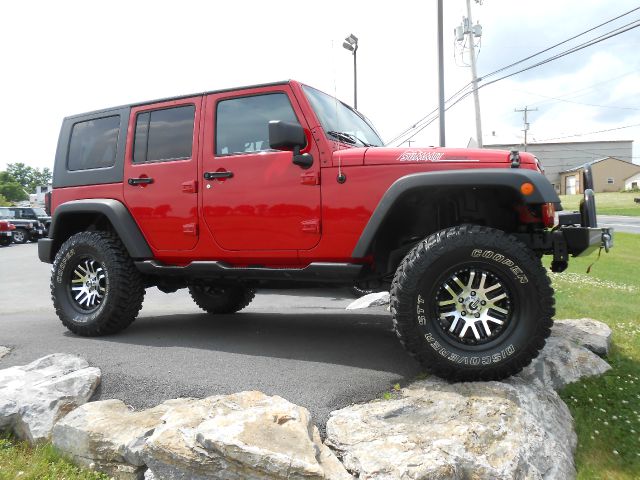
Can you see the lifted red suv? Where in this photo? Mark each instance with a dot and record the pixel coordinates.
(278, 185)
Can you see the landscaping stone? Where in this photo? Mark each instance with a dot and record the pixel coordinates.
(4, 351)
(107, 436)
(375, 299)
(478, 430)
(247, 435)
(561, 362)
(591, 334)
(34, 397)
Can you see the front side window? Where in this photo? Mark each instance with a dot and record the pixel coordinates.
(164, 134)
(242, 124)
(341, 122)
(94, 143)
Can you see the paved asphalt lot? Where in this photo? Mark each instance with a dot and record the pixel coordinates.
(301, 345)
(620, 223)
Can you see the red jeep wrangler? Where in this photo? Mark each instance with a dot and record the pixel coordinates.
(277, 185)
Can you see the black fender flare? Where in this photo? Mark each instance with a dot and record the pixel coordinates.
(511, 178)
(115, 211)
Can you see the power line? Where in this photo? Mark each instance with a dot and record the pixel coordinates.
(590, 133)
(560, 43)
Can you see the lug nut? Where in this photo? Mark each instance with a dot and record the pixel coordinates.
(461, 300)
(473, 294)
(477, 315)
(483, 302)
(464, 313)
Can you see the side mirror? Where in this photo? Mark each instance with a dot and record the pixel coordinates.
(285, 136)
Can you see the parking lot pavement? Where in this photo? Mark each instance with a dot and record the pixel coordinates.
(620, 223)
(301, 345)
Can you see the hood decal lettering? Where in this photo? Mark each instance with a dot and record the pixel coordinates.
(428, 156)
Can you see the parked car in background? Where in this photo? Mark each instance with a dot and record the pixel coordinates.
(25, 230)
(32, 213)
(6, 233)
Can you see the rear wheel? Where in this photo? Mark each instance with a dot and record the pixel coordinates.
(223, 299)
(20, 235)
(472, 303)
(5, 241)
(95, 287)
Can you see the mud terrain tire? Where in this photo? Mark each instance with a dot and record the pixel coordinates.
(216, 300)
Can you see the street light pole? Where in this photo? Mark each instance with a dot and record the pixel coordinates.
(441, 75)
(351, 44)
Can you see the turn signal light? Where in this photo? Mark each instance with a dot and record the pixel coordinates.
(527, 188)
(548, 215)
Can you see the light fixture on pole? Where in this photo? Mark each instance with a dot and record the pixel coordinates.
(351, 44)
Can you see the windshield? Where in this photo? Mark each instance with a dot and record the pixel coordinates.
(341, 122)
(40, 212)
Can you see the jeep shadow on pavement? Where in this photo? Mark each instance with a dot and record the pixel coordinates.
(281, 185)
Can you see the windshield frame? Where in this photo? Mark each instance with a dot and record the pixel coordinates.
(372, 137)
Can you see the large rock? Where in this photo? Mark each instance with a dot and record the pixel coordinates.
(561, 362)
(436, 430)
(34, 397)
(108, 437)
(4, 351)
(246, 435)
(589, 333)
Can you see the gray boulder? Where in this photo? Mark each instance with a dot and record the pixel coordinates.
(436, 430)
(247, 435)
(34, 397)
(589, 333)
(4, 351)
(108, 437)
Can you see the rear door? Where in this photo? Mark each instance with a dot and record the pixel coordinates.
(160, 183)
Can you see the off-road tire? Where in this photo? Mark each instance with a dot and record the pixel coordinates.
(418, 293)
(227, 299)
(120, 280)
(20, 235)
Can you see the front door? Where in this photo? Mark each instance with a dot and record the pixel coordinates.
(255, 198)
(161, 172)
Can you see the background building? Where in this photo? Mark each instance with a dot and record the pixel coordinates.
(609, 175)
(557, 158)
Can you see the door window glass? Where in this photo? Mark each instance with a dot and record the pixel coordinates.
(242, 124)
(164, 134)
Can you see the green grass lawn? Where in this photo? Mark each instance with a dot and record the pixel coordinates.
(606, 409)
(613, 203)
(19, 461)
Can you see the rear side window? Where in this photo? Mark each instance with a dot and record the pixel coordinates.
(242, 124)
(164, 134)
(94, 143)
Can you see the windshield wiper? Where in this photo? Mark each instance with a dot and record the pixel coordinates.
(348, 138)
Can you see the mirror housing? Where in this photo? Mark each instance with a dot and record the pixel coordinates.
(290, 136)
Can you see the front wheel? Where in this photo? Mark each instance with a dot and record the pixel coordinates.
(95, 287)
(20, 235)
(221, 299)
(472, 303)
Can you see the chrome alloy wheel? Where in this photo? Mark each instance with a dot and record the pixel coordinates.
(473, 306)
(88, 284)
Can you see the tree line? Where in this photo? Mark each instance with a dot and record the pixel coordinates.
(19, 180)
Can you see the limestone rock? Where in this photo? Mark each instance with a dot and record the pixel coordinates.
(108, 436)
(4, 351)
(370, 300)
(436, 430)
(589, 333)
(247, 435)
(561, 362)
(34, 397)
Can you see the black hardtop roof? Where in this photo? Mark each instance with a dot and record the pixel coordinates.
(179, 97)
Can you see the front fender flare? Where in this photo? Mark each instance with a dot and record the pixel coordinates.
(511, 178)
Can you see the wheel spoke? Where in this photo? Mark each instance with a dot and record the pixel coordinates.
(472, 276)
(492, 288)
(499, 297)
(450, 290)
(458, 281)
(446, 302)
(499, 309)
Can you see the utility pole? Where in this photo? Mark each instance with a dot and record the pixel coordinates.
(441, 75)
(474, 74)
(526, 122)
(351, 44)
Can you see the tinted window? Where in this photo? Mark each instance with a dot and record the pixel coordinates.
(242, 124)
(94, 143)
(164, 134)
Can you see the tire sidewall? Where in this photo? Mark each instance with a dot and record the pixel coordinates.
(68, 257)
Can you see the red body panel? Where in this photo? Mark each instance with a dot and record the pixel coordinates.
(271, 212)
